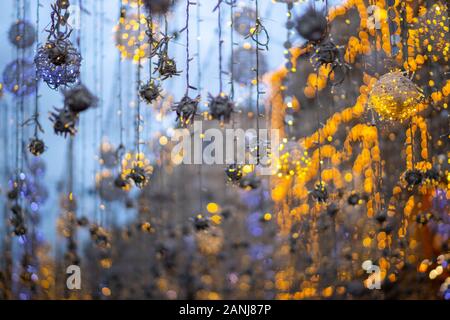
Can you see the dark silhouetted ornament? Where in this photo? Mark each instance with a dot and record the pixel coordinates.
(158, 6)
(64, 122)
(186, 109)
(220, 107)
(36, 146)
(201, 223)
(312, 25)
(82, 221)
(166, 67)
(320, 193)
(413, 177)
(79, 99)
(353, 199)
(139, 176)
(17, 220)
(150, 91)
(381, 216)
(234, 172)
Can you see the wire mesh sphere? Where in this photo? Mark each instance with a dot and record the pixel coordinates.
(244, 65)
(244, 20)
(19, 77)
(131, 36)
(22, 34)
(58, 63)
(395, 97)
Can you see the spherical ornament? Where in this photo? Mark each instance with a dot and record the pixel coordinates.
(136, 168)
(220, 107)
(158, 6)
(244, 20)
(58, 63)
(244, 65)
(395, 97)
(64, 122)
(19, 78)
(166, 67)
(18, 221)
(320, 193)
(150, 91)
(186, 109)
(312, 25)
(79, 99)
(413, 177)
(201, 223)
(353, 199)
(234, 173)
(36, 146)
(131, 36)
(22, 34)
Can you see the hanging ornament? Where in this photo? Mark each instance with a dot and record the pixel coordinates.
(312, 25)
(64, 122)
(328, 54)
(150, 91)
(22, 34)
(79, 98)
(166, 67)
(158, 7)
(200, 223)
(36, 146)
(220, 107)
(19, 78)
(320, 193)
(137, 169)
(395, 97)
(234, 172)
(186, 110)
(18, 221)
(413, 178)
(58, 61)
(106, 187)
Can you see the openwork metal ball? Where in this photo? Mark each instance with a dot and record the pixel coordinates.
(36, 146)
(150, 91)
(64, 122)
(186, 109)
(201, 223)
(22, 34)
(220, 107)
(312, 25)
(353, 199)
(395, 97)
(139, 176)
(19, 78)
(79, 99)
(58, 63)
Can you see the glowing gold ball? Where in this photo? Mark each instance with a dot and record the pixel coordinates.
(395, 97)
